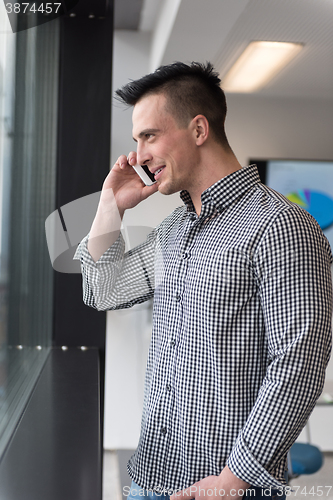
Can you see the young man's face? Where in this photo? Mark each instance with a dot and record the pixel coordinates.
(168, 151)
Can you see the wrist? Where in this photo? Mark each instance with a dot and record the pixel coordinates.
(107, 204)
(228, 477)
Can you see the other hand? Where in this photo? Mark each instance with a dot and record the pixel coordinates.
(225, 486)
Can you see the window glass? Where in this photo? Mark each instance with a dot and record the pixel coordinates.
(28, 124)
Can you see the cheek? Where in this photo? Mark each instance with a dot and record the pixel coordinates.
(179, 151)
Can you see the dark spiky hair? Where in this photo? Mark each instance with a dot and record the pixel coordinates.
(190, 90)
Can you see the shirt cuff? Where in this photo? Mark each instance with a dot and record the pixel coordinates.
(244, 465)
(114, 253)
(82, 252)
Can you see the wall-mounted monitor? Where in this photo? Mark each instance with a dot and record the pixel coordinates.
(309, 183)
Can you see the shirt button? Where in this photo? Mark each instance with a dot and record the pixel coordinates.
(168, 387)
(192, 217)
(163, 431)
(177, 298)
(172, 342)
(184, 255)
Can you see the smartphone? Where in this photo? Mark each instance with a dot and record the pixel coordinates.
(146, 176)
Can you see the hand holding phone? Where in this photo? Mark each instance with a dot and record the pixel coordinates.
(145, 175)
(128, 188)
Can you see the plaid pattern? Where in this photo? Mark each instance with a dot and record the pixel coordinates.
(241, 331)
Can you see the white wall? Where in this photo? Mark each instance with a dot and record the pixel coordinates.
(261, 127)
(130, 61)
(257, 128)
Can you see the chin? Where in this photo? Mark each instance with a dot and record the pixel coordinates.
(165, 189)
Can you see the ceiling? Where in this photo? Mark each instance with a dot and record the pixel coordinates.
(127, 14)
(219, 30)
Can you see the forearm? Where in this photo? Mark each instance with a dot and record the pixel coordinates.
(282, 408)
(106, 225)
(295, 287)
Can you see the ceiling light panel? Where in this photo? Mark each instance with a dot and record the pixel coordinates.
(258, 64)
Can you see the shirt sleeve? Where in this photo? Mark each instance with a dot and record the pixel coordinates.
(118, 280)
(293, 272)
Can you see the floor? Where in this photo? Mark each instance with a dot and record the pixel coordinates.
(311, 487)
(111, 480)
(316, 485)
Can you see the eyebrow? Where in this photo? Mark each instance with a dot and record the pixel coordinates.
(147, 131)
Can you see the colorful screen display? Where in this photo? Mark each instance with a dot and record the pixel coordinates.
(307, 183)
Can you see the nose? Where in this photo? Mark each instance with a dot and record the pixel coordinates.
(143, 154)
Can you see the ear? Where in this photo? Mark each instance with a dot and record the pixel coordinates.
(200, 129)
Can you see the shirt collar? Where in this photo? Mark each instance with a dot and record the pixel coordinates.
(226, 190)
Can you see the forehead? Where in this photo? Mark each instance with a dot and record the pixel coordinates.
(150, 113)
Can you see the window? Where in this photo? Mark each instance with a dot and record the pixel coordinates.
(28, 125)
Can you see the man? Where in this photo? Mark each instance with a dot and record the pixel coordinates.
(242, 296)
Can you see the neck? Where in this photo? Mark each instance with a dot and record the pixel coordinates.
(213, 166)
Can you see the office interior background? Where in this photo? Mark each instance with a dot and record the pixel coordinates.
(60, 132)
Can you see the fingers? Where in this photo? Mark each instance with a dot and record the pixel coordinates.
(123, 160)
(149, 190)
(132, 158)
(185, 494)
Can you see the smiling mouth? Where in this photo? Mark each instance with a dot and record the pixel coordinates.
(156, 174)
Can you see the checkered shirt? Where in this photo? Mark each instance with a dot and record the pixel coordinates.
(241, 331)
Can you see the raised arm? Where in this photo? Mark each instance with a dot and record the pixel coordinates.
(111, 279)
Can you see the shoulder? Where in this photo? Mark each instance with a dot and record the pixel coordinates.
(176, 217)
(291, 230)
